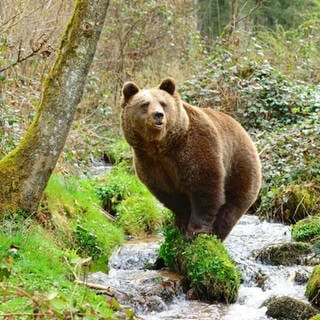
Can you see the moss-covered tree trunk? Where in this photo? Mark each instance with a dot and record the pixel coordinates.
(25, 171)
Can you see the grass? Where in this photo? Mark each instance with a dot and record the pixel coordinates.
(76, 209)
(42, 255)
(37, 273)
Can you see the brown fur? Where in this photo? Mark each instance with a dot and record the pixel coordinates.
(199, 163)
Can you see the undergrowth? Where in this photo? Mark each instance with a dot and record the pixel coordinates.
(37, 273)
(77, 227)
(135, 209)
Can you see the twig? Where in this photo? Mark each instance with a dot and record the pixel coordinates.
(298, 206)
(107, 290)
(105, 213)
(15, 21)
(22, 314)
(264, 149)
(257, 6)
(35, 51)
(42, 314)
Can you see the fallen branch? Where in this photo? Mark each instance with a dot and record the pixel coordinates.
(105, 213)
(107, 290)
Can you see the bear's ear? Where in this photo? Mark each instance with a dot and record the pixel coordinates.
(168, 85)
(129, 89)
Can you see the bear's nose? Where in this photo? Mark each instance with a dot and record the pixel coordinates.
(158, 115)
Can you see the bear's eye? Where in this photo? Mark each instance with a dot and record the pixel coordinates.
(163, 104)
(144, 106)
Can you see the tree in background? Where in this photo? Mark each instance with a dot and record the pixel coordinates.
(25, 171)
(218, 16)
(213, 17)
(287, 13)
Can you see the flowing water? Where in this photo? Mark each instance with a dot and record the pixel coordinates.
(156, 295)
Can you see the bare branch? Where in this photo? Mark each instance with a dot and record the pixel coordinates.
(235, 13)
(36, 48)
(256, 7)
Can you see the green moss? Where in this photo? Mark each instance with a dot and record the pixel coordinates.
(205, 262)
(316, 317)
(171, 248)
(313, 287)
(307, 230)
(211, 271)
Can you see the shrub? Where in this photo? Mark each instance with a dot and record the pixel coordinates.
(290, 159)
(120, 185)
(140, 215)
(255, 92)
(124, 196)
(87, 243)
(119, 151)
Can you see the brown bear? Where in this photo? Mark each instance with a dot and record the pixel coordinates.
(198, 162)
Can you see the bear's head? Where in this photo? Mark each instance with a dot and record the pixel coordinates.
(148, 115)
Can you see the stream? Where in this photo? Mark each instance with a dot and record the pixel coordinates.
(156, 295)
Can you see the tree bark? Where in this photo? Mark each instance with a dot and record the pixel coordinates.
(234, 17)
(25, 171)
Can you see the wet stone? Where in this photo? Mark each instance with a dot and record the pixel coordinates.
(287, 308)
(301, 276)
(285, 254)
(149, 304)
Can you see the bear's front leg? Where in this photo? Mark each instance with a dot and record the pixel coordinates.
(204, 209)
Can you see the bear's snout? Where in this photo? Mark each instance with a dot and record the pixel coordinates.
(158, 116)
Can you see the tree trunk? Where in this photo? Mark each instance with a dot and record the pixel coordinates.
(234, 16)
(25, 171)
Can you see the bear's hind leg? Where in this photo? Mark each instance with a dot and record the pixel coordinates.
(179, 204)
(204, 210)
(227, 217)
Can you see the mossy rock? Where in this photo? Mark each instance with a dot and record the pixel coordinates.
(313, 287)
(206, 264)
(286, 254)
(307, 229)
(287, 308)
(296, 202)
